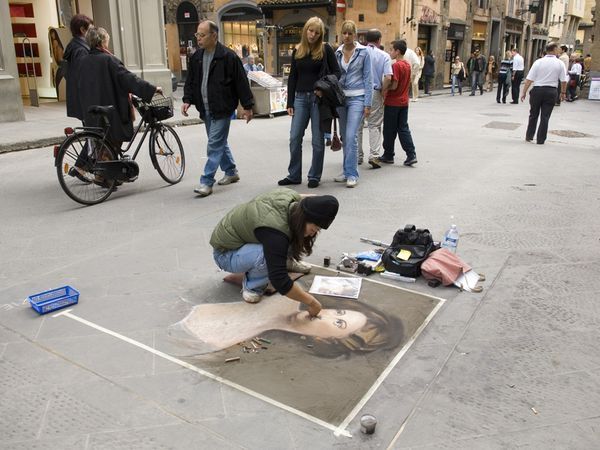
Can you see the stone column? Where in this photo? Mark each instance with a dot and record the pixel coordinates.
(137, 36)
(11, 106)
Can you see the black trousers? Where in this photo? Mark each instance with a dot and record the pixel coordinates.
(516, 85)
(502, 88)
(541, 101)
(395, 123)
(427, 83)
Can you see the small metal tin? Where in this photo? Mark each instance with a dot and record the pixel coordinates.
(368, 423)
(326, 261)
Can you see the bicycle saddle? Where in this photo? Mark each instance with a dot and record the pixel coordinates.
(101, 110)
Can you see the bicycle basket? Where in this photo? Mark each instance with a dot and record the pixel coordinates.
(161, 108)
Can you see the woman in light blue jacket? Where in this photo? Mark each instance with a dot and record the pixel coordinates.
(356, 80)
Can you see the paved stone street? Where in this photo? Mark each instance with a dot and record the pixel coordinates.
(516, 366)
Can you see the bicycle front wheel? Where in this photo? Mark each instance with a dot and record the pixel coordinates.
(166, 153)
(75, 163)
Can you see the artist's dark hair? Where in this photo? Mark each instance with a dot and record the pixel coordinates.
(373, 35)
(551, 47)
(380, 332)
(400, 45)
(299, 245)
(213, 27)
(77, 22)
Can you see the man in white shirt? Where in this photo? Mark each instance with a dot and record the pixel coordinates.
(415, 64)
(518, 70)
(574, 75)
(543, 75)
(381, 68)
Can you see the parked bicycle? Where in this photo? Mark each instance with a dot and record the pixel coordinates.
(90, 166)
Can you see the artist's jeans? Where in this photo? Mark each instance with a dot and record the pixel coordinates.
(350, 119)
(217, 149)
(374, 122)
(456, 82)
(395, 123)
(249, 259)
(305, 109)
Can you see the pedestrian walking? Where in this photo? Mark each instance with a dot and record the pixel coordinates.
(381, 69)
(518, 71)
(490, 74)
(76, 49)
(543, 75)
(458, 75)
(564, 58)
(395, 116)
(267, 236)
(429, 72)
(416, 67)
(356, 80)
(311, 60)
(504, 77)
(416, 74)
(574, 76)
(215, 84)
(477, 67)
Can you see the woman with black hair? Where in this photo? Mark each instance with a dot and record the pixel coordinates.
(267, 236)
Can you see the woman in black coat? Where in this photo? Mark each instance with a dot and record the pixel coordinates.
(76, 49)
(104, 80)
(428, 71)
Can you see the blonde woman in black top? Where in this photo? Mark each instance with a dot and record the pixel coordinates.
(311, 59)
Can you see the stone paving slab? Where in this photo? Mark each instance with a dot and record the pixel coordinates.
(527, 219)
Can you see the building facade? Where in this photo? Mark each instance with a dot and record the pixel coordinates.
(34, 34)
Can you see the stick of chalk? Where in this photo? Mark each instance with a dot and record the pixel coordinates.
(235, 358)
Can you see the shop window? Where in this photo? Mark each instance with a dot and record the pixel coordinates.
(241, 37)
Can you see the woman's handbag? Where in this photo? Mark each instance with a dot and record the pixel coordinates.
(336, 143)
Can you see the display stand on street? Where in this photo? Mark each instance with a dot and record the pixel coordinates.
(270, 95)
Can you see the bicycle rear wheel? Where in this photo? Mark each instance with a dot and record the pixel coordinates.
(166, 153)
(75, 163)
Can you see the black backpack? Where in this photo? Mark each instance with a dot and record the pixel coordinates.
(409, 248)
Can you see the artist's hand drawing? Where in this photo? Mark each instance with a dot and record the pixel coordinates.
(343, 326)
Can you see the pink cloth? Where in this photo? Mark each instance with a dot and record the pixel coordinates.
(445, 266)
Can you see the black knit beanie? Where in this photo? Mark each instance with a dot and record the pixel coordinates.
(320, 209)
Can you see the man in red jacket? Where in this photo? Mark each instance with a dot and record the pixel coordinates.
(395, 114)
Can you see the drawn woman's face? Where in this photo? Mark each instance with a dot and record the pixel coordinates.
(313, 34)
(331, 323)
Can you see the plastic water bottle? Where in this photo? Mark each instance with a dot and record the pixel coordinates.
(451, 239)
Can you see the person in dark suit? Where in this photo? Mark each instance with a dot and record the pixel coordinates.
(429, 72)
(76, 49)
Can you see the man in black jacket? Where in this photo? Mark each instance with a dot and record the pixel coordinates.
(215, 84)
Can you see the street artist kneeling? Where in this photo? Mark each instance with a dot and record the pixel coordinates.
(266, 237)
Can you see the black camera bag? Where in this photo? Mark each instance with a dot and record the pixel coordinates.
(418, 242)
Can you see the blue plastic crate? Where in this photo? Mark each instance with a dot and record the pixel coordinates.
(48, 301)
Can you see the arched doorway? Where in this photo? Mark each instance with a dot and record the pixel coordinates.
(239, 31)
(187, 24)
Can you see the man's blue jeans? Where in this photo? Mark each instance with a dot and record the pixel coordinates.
(249, 259)
(305, 108)
(350, 119)
(476, 81)
(217, 149)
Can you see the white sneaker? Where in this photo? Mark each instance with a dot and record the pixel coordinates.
(228, 179)
(203, 190)
(341, 178)
(251, 296)
(351, 182)
(297, 266)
